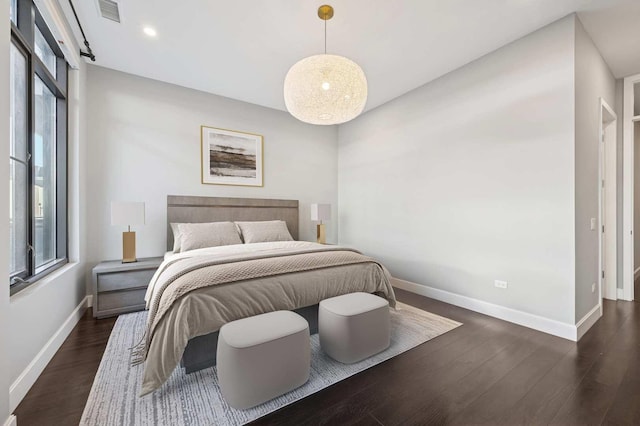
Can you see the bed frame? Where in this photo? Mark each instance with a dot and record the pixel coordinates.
(201, 351)
(189, 209)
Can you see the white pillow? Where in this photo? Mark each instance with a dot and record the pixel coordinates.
(200, 235)
(262, 232)
(176, 236)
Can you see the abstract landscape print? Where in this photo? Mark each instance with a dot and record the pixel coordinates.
(231, 157)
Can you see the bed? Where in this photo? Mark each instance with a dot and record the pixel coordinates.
(196, 292)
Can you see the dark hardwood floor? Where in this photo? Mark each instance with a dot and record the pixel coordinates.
(60, 393)
(485, 372)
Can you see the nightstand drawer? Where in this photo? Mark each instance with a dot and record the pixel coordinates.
(119, 288)
(124, 280)
(121, 299)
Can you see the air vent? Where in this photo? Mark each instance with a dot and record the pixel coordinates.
(109, 10)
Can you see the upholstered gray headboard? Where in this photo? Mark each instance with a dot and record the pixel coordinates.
(189, 209)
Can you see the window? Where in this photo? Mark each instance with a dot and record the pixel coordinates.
(38, 149)
(44, 185)
(45, 53)
(18, 161)
(13, 11)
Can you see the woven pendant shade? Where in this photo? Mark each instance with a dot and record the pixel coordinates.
(325, 89)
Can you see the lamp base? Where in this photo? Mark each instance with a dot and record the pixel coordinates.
(321, 234)
(129, 247)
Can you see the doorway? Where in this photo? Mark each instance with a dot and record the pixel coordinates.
(608, 203)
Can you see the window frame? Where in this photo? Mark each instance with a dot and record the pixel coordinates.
(23, 38)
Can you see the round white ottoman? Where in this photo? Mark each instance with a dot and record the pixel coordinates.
(353, 326)
(262, 357)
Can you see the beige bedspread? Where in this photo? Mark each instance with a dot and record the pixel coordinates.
(196, 293)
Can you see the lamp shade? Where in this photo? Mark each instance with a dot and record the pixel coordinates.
(127, 213)
(320, 212)
(325, 89)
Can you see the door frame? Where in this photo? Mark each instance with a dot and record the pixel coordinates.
(607, 133)
(628, 155)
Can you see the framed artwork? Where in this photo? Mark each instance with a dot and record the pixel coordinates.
(230, 157)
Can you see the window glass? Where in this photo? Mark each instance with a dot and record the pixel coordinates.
(13, 11)
(17, 218)
(18, 101)
(44, 154)
(18, 185)
(45, 53)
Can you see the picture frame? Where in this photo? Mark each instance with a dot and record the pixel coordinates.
(231, 157)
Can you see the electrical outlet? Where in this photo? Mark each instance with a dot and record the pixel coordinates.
(500, 284)
(593, 223)
(593, 288)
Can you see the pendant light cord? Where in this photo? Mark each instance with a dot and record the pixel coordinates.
(325, 36)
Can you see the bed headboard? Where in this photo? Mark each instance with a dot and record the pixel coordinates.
(189, 209)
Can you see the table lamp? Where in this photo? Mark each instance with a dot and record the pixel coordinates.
(127, 214)
(319, 213)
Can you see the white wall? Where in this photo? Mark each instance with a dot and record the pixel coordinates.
(593, 80)
(5, 377)
(42, 315)
(144, 144)
(470, 178)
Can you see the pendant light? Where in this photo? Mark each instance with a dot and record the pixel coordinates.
(325, 89)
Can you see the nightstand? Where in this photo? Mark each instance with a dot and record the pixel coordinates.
(120, 287)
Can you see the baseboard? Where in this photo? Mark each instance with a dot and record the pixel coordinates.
(28, 377)
(588, 321)
(11, 421)
(546, 325)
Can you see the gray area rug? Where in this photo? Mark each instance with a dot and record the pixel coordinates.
(195, 399)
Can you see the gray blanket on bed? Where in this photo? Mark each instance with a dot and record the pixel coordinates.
(197, 295)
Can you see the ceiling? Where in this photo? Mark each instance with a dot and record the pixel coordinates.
(616, 33)
(242, 49)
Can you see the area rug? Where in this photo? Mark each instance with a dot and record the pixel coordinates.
(195, 399)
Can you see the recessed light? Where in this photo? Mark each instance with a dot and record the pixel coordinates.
(150, 31)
